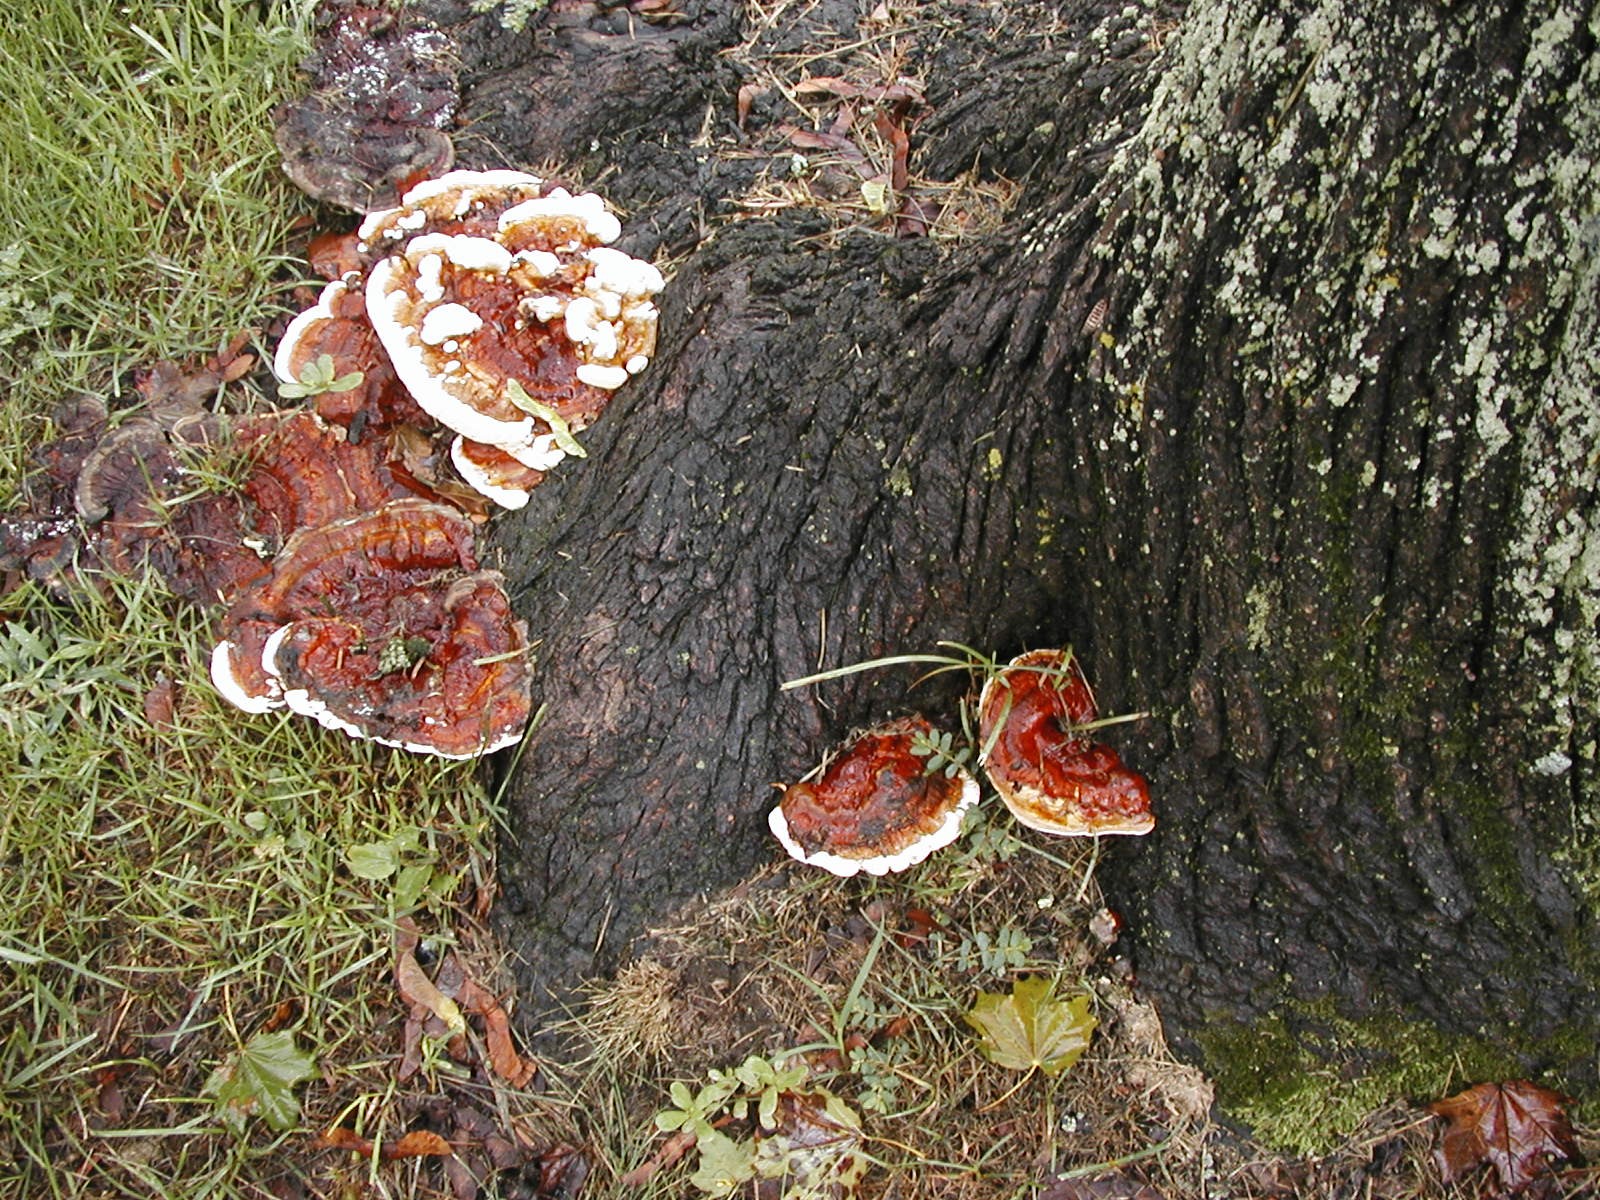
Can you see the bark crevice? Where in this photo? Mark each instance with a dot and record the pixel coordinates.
(1285, 491)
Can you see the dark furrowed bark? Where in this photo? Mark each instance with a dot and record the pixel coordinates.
(790, 500)
(1316, 531)
(805, 477)
(1295, 495)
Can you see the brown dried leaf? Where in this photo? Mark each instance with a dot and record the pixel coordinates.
(562, 1171)
(451, 977)
(838, 142)
(406, 936)
(110, 1101)
(673, 1149)
(915, 926)
(416, 989)
(895, 1027)
(749, 93)
(1516, 1127)
(160, 702)
(504, 1154)
(483, 900)
(411, 1049)
(419, 1143)
(340, 1138)
(334, 255)
(818, 86)
(463, 1182)
(659, 12)
(280, 1016)
(503, 1057)
(889, 126)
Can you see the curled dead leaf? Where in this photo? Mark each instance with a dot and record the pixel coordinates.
(832, 86)
(341, 1138)
(670, 1152)
(417, 989)
(749, 93)
(504, 1060)
(419, 1143)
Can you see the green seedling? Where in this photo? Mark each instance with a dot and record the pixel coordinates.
(317, 377)
(805, 1137)
(943, 754)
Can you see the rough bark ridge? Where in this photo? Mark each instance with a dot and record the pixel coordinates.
(1320, 491)
(1357, 288)
(806, 483)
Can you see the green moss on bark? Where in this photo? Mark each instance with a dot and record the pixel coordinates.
(1275, 1075)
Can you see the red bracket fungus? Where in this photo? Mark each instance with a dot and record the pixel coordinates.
(487, 303)
(337, 326)
(494, 473)
(505, 313)
(876, 807)
(1053, 778)
(436, 669)
(381, 625)
(472, 329)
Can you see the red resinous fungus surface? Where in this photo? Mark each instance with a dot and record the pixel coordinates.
(1041, 758)
(874, 799)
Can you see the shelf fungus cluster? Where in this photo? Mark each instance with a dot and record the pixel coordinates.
(492, 302)
(462, 339)
(469, 332)
(892, 795)
(381, 625)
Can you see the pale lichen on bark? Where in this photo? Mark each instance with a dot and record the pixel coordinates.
(1552, 606)
(1265, 140)
(1353, 279)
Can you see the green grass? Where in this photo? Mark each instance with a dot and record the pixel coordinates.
(169, 887)
(144, 211)
(171, 883)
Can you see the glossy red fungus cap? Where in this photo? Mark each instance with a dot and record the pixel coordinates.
(382, 626)
(1048, 771)
(306, 473)
(875, 807)
(500, 305)
(438, 667)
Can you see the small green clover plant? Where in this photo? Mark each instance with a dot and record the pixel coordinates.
(945, 756)
(805, 1138)
(318, 377)
(998, 955)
